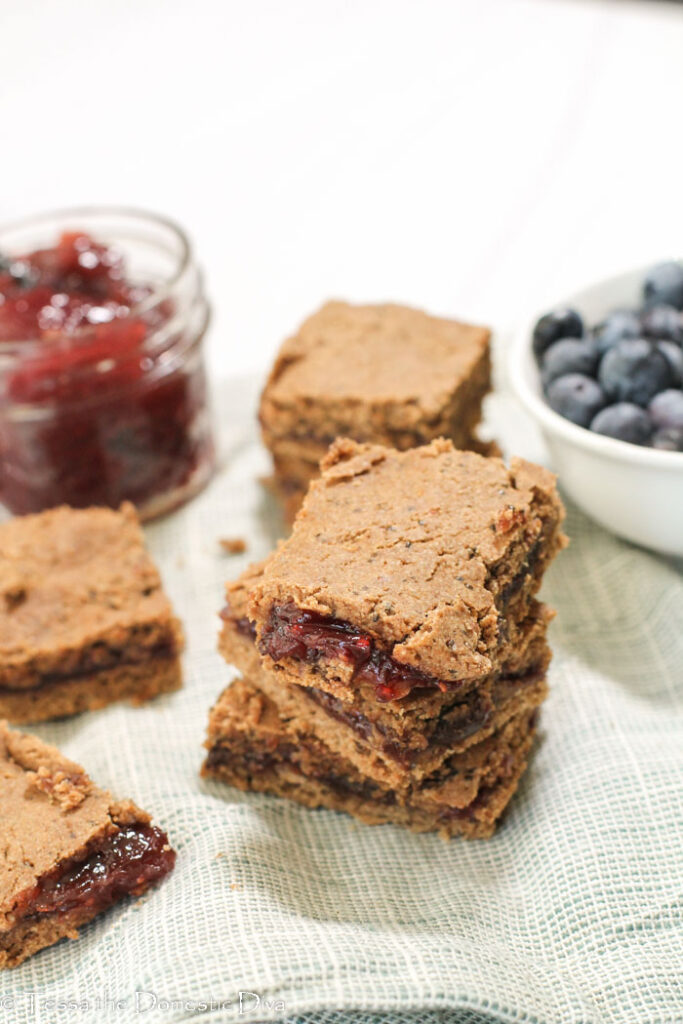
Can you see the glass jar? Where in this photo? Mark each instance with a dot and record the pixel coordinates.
(109, 401)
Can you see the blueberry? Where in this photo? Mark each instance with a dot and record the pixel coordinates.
(576, 397)
(663, 322)
(669, 440)
(634, 371)
(570, 355)
(663, 285)
(666, 409)
(619, 324)
(674, 354)
(560, 323)
(625, 422)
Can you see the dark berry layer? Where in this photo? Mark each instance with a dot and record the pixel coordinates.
(292, 632)
(124, 864)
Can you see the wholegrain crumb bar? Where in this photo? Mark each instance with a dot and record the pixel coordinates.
(386, 374)
(69, 850)
(251, 746)
(84, 620)
(395, 741)
(407, 571)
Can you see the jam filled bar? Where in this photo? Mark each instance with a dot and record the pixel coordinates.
(407, 571)
(394, 645)
(251, 746)
(386, 374)
(69, 850)
(394, 741)
(84, 620)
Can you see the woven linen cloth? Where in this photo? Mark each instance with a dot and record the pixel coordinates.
(571, 914)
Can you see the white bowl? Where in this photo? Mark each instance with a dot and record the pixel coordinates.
(635, 492)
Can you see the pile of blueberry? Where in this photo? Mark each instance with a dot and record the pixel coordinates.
(623, 377)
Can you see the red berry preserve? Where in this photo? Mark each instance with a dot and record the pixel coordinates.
(103, 392)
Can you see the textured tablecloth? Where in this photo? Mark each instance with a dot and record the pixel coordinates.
(572, 913)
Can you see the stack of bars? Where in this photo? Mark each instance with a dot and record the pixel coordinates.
(382, 374)
(392, 650)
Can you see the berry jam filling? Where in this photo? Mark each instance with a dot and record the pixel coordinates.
(243, 625)
(258, 762)
(335, 708)
(95, 405)
(114, 658)
(308, 636)
(124, 864)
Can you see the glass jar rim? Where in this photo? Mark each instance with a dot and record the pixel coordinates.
(158, 293)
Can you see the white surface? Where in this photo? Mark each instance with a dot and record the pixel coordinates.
(636, 492)
(469, 157)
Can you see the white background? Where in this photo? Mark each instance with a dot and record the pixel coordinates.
(474, 158)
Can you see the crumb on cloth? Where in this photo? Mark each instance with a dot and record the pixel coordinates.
(233, 545)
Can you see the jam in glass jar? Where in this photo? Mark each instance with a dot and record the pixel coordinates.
(103, 393)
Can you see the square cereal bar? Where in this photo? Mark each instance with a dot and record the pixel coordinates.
(407, 571)
(84, 620)
(385, 374)
(68, 851)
